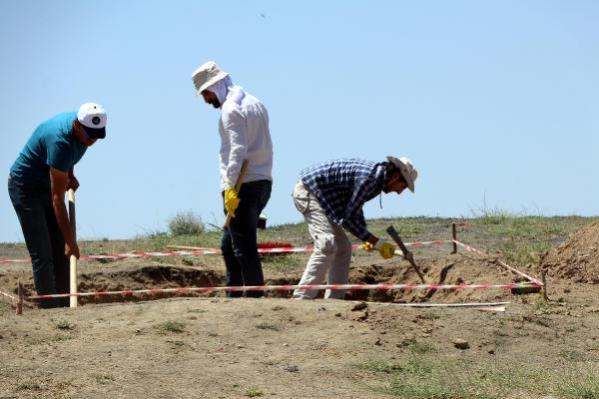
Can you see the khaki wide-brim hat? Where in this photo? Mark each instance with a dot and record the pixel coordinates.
(407, 169)
(207, 75)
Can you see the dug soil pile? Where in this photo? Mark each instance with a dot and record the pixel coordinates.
(452, 269)
(577, 259)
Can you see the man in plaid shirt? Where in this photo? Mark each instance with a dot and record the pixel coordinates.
(331, 196)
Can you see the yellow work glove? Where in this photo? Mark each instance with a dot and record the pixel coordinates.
(368, 247)
(231, 201)
(386, 249)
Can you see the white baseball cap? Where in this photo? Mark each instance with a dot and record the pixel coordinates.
(206, 75)
(93, 118)
(407, 169)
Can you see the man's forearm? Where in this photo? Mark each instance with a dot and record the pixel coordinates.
(358, 230)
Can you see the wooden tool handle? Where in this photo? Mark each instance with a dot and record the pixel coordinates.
(393, 234)
(72, 213)
(238, 183)
(73, 260)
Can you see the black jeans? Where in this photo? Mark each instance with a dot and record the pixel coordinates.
(239, 242)
(44, 240)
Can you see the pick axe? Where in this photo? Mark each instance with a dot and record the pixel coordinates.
(406, 254)
(73, 260)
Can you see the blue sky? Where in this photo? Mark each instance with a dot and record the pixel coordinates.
(495, 102)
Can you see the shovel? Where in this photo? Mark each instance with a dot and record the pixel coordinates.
(73, 260)
(407, 254)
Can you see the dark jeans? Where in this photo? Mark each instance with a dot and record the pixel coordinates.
(239, 243)
(44, 240)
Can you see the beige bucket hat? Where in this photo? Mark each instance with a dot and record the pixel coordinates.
(406, 168)
(207, 75)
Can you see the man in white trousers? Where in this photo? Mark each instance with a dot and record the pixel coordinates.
(331, 196)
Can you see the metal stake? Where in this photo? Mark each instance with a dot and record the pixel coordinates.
(454, 235)
(19, 310)
(544, 279)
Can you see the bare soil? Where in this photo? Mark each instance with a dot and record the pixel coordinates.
(208, 346)
(577, 259)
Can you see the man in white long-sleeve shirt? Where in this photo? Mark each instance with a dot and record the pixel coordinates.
(245, 135)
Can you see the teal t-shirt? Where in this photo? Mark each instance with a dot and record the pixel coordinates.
(52, 144)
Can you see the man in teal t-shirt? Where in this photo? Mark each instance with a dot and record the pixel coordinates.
(37, 184)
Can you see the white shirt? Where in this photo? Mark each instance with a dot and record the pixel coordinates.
(244, 134)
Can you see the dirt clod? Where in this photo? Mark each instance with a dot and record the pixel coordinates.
(359, 306)
(461, 344)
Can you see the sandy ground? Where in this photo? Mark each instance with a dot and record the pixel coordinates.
(214, 347)
(222, 348)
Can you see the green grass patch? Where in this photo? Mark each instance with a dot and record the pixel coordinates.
(267, 326)
(293, 233)
(103, 379)
(65, 325)
(29, 386)
(379, 366)
(519, 238)
(421, 376)
(284, 264)
(573, 356)
(522, 238)
(421, 348)
(171, 326)
(253, 393)
(492, 216)
(62, 337)
(580, 385)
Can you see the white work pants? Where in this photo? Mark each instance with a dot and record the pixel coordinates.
(332, 248)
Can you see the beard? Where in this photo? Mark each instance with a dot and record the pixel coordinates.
(215, 103)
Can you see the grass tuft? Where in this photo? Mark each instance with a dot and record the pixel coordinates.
(267, 326)
(65, 325)
(581, 385)
(379, 366)
(421, 348)
(253, 393)
(103, 378)
(29, 386)
(431, 376)
(186, 223)
(172, 326)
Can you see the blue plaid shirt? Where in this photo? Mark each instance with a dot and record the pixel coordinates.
(342, 187)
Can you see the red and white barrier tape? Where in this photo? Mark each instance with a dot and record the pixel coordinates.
(211, 251)
(510, 268)
(351, 287)
(8, 261)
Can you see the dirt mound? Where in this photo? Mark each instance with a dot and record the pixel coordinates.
(577, 259)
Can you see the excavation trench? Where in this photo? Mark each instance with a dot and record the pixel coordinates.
(454, 269)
